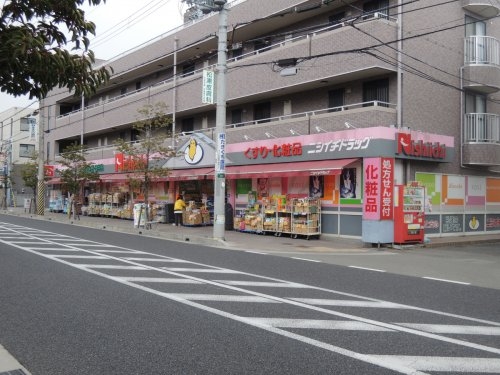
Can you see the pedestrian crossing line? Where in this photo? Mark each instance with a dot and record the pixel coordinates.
(446, 364)
(317, 324)
(125, 251)
(218, 297)
(200, 270)
(349, 303)
(53, 249)
(79, 256)
(165, 260)
(158, 280)
(108, 266)
(454, 329)
(262, 284)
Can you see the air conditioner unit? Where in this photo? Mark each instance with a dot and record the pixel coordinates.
(237, 45)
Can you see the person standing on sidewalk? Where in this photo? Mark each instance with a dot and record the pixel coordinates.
(179, 207)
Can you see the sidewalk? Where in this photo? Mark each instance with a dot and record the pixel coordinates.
(241, 241)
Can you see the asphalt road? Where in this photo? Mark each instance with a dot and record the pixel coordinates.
(75, 300)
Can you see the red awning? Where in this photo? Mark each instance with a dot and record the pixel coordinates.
(305, 168)
(191, 174)
(53, 181)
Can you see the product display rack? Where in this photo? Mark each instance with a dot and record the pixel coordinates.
(306, 217)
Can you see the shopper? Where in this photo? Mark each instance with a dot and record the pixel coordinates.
(179, 207)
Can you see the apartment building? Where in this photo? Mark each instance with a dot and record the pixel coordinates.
(18, 143)
(383, 92)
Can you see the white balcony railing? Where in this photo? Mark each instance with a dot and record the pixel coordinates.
(481, 50)
(481, 127)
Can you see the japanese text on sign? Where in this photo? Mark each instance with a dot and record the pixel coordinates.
(207, 94)
(283, 150)
(221, 156)
(387, 189)
(340, 145)
(371, 207)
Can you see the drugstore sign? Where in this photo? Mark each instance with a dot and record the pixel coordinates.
(419, 149)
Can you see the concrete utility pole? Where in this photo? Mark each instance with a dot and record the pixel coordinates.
(220, 125)
(200, 7)
(40, 198)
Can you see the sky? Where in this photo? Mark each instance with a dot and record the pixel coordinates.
(120, 26)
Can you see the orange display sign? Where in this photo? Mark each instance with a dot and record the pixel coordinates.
(48, 170)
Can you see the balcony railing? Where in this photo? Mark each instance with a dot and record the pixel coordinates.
(481, 50)
(481, 127)
(282, 44)
(104, 152)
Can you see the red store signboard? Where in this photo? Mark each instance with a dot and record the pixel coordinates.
(378, 188)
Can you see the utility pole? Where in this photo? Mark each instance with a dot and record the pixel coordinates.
(220, 125)
(40, 199)
(198, 8)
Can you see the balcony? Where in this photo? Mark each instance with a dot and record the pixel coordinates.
(481, 64)
(364, 115)
(483, 8)
(481, 142)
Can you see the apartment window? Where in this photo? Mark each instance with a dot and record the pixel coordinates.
(376, 6)
(336, 19)
(187, 124)
(475, 49)
(236, 116)
(262, 112)
(138, 85)
(236, 52)
(262, 45)
(376, 91)
(26, 151)
(336, 100)
(188, 69)
(134, 135)
(123, 91)
(24, 124)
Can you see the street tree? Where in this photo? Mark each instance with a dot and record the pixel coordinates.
(29, 174)
(75, 172)
(45, 44)
(143, 160)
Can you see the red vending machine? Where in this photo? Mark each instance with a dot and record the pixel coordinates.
(409, 206)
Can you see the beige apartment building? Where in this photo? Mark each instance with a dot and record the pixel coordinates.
(380, 92)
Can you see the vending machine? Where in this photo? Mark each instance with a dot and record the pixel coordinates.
(409, 208)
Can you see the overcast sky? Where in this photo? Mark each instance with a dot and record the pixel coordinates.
(121, 25)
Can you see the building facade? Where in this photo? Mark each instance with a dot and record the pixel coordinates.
(318, 88)
(18, 143)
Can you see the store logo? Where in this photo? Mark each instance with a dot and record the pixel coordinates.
(193, 152)
(419, 149)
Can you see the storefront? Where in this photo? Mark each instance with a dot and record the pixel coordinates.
(341, 183)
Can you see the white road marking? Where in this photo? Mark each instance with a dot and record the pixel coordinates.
(218, 297)
(454, 329)
(262, 284)
(446, 364)
(349, 303)
(201, 270)
(158, 280)
(366, 269)
(317, 324)
(446, 281)
(165, 260)
(255, 252)
(308, 260)
(108, 266)
(79, 256)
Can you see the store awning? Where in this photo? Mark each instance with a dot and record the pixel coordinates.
(191, 174)
(53, 181)
(110, 177)
(305, 168)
